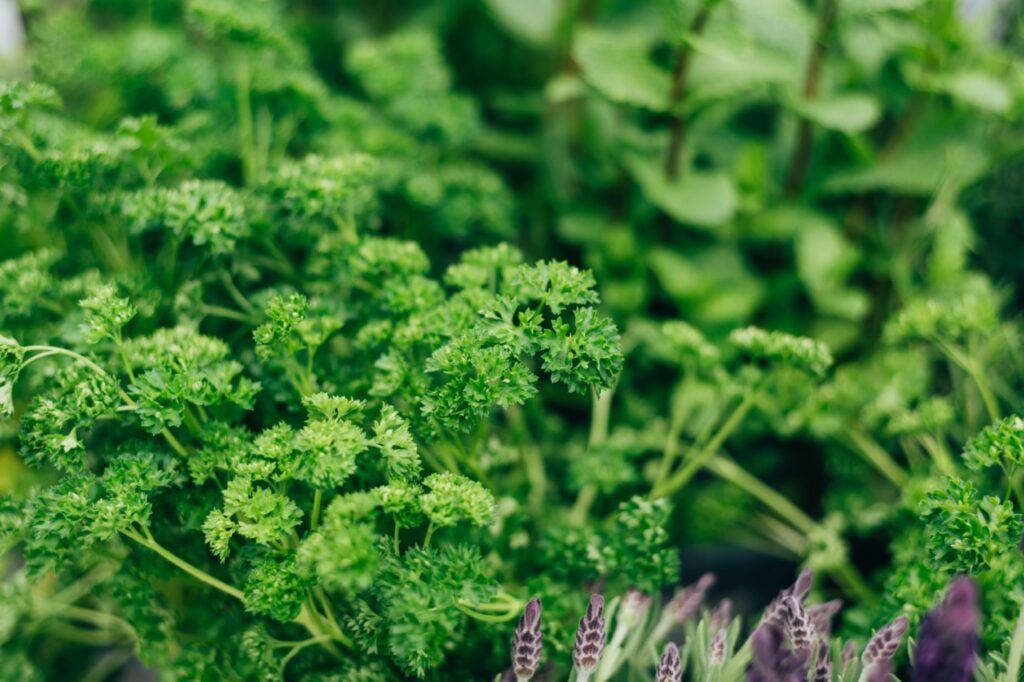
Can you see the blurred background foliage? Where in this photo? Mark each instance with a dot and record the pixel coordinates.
(846, 170)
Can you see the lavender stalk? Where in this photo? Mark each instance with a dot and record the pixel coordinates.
(590, 638)
(947, 641)
(528, 642)
(669, 667)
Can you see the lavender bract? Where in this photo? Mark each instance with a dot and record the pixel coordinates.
(590, 638)
(771, 659)
(528, 642)
(947, 641)
(823, 664)
(686, 603)
(884, 644)
(669, 666)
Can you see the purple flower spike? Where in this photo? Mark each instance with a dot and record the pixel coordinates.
(849, 654)
(528, 642)
(821, 617)
(802, 585)
(947, 641)
(669, 667)
(777, 613)
(771, 660)
(885, 642)
(880, 672)
(686, 603)
(722, 615)
(634, 606)
(590, 636)
(823, 666)
(717, 649)
(798, 626)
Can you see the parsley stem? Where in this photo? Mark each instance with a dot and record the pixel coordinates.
(697, 461)
(601, 407)
(149, 542)
(246, 136)
(314, 515)
(318, 639)
(54, 350)
(741, 478)
(45, 351)
(236, 295)
(429, 535)
(1013, 662)
(967, 363)
(226, 313)
(876, 456)
(939, 454)
(675, 428)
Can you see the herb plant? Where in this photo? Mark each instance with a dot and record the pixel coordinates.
(446, 339)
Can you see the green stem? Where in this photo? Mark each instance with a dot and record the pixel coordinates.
(148, 542)
(1013, 663)
(677, 124)
(318, 639)
(681, 477)
(246, 136)
(877, 456)
(235, 293)
(601, 407)
(812, 79)
(45, 351)
(939, 454)
(675, 428)
(966, 363)
(429, 535)
(226, 313)
(54, 350)
(314, 516)
(741, 478)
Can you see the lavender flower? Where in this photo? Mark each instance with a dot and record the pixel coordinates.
(771, 660)
(669, 667)
(823, 666)
(947, 641)
(721, 615)
(884, 644)
(849, 654)
(528, 642)
(590, 636)
(776, 613)
(879, 672)
(634, 606)
(718, 648)
(821, 616)
(798, 626)
(686, 603)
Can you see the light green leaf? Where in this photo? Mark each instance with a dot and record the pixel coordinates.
(859, 7)
(920, 167)
(700, 198)
(825, 260)
(532, 20)
(712, 287)
(727, 62)
(951, 247)
(853, 113)
(618, 66)
(980, 90)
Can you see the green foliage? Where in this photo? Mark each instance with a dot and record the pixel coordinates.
(331, 333)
